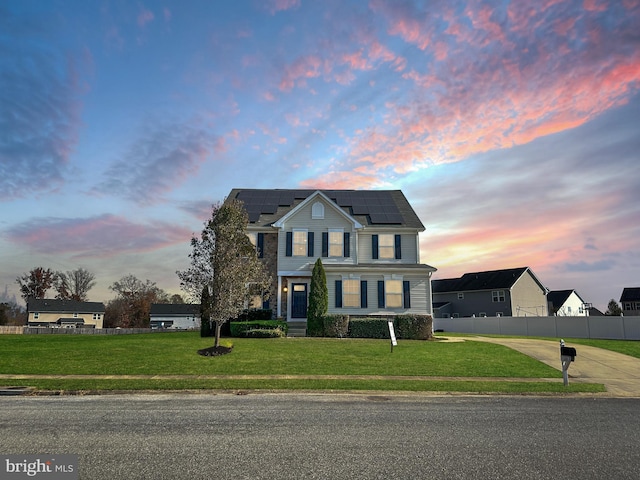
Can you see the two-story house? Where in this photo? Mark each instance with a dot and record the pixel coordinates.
(54, 313)
(567, 303)
(630, 301)
(367, 240)
(514, 292)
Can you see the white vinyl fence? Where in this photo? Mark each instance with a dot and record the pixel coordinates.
(614, 328)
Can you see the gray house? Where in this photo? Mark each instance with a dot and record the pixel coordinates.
(367, 240)
(514, 292)
(175, 316)
(630, 301)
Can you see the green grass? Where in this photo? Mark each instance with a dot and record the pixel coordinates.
(176, 354)
(627, 347)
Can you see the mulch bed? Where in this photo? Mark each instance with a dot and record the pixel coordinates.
(214, 351)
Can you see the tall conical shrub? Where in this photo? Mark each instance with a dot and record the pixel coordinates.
(318, 301)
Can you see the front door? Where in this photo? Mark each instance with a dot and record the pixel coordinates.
(299, 300)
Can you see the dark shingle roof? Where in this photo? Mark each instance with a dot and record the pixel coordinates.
(174, 309)
(369, 207)
(63, 306)
(558, 297)
(630, 295)
(491, 280)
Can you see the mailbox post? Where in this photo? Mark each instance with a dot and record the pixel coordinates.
(567, 355)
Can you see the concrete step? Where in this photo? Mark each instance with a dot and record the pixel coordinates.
(297, 329)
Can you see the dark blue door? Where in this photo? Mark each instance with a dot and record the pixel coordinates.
(299, 300)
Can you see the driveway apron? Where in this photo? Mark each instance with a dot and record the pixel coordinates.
(619, 373)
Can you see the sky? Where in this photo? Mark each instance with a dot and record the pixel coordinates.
(512, 127)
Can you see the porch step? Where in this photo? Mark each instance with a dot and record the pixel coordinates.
(297, 329)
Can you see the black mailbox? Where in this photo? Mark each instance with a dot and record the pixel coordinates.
(568, 352)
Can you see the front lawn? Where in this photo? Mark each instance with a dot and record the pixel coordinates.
(162, 354)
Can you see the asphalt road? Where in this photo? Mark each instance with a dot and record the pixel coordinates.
(292, 436)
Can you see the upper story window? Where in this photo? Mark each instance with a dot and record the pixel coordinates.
(460, 295)
(299, 243)
(36, 315)
(317, 211)
(253, 238)
(336, 242)
(497, 296)
(386, 246)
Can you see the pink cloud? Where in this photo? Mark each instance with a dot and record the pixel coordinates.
(275, 6)
(145, 16)
(503, 97)
(102, 236)
(299, 71)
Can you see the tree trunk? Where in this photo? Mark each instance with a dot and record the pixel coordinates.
(218, 328)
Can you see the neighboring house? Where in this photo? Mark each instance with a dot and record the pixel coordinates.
(367, 240)
(630, 301)
(567, 303)
(55, 313)
(175, 316)
(514, 292)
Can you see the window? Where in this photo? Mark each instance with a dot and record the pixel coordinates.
(299, 243)
(393, 293)
(253, 238)
(497, 295)
(569, 309)
(456, 315)
(386, 246)
(317, 211)
(350, 292)
(482, 314)
(36, 315)
(336, 238)
(460, 296)
(96, 316)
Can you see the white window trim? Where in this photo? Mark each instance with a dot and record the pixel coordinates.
(340, 231)
(386, 252)
(317, 211)
(356, 296)
(300, 244)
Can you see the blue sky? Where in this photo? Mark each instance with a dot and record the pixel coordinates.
(513, 130)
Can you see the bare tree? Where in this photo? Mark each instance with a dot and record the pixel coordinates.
(36, 283)
(74, 284)
(132, 306)
(224, 260)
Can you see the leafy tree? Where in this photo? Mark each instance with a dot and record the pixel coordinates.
(36, 283)
(206, 329)
(132, 305)
(225, 260)
(318, 300)
(613, 308)
(176, 298)
(74, 284)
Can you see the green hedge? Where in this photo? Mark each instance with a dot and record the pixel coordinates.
(255, 314)
(414, 327)
(363, 327)
(336, 325)
(256, 328)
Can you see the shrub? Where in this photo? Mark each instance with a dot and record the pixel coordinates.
(364, 327)
(255, 314)
(241, 329)
(336, 325)
(414, 327)
(265, 333)
(318, 301)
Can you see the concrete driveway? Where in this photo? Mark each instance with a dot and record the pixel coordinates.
(619, 373)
